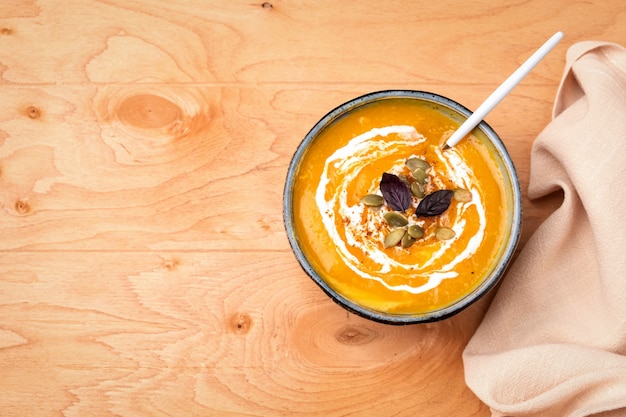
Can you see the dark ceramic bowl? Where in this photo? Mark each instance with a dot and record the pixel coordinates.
(458, 113)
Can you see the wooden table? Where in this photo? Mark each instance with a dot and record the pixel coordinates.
(144, 267)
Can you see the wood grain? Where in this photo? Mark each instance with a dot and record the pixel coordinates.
(144, 268)
(195, 332)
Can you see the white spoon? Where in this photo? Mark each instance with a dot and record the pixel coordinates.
(504, 89)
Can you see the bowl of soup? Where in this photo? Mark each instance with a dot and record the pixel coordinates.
(390, 223)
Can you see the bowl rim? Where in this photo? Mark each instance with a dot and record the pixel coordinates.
(403, 319)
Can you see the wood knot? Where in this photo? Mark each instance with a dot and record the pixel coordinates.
(22, 207)
(146, 127)
(149, 111)
(241, 323)
(267, 5)
(170, 264)
(355, 335)
(33, 112)
(6, 31)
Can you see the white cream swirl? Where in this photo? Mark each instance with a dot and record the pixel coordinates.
(347, 162)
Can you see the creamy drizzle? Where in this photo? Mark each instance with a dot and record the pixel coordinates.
(347, 162)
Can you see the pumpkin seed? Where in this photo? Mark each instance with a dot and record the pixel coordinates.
(394, 237)
(444, 233)
(395, 219)
(420, 175)
(415, 231)
(373, 200)
(462, 195)
(407, 240)
(416, 190)
(404, 179)
(414, 163)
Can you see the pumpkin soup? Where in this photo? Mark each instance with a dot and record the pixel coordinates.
(391, 221)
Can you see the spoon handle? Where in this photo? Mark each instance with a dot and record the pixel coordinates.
(504, 89)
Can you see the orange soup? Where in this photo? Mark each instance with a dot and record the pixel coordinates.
(412, 261)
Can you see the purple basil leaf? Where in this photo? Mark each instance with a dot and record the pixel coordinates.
(434, 203)
(395, 192)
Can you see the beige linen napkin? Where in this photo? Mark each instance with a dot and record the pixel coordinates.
(553, 342)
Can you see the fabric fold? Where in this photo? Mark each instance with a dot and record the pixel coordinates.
(553, 342)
